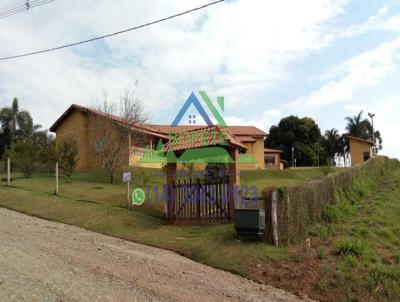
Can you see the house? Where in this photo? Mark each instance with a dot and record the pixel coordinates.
(272, 159)
(75, 122)
(360, 150)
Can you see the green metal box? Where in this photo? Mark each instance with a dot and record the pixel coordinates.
(250, 222)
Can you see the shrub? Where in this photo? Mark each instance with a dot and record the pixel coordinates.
(24, 155)
(331, 214)
(361, 231)
(321, 253)
(47, 156)
(335, 213)
(320, 231)
(348, 247)
(67, 156)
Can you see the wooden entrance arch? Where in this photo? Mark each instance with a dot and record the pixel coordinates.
(197, 201)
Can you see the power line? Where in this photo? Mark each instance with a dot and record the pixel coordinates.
(112, 34)
(14, 9)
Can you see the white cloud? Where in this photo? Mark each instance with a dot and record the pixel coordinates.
(349, 78)
(380, 21)
(239, 49)
(263, 121)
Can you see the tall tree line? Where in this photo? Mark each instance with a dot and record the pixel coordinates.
(26, 143)
(301, 138)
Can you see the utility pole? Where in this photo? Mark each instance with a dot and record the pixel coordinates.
(292, 156)
(8, 172)
(56, 192)
(371, 115)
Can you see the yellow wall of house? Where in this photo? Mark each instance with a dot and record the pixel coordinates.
(255, 149)
(75, 126)
(357, 150)
(133, 161)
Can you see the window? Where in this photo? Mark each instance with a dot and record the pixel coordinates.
(270, 160)
(367, 155)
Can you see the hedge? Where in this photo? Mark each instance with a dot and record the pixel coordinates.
(296, 208)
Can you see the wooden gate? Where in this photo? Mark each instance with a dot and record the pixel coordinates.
(200, 202)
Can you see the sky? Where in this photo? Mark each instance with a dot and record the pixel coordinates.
(326, 59)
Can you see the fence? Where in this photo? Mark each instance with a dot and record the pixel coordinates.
(289, 211)
(199, 202)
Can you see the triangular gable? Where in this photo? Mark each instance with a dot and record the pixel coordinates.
(196, 103)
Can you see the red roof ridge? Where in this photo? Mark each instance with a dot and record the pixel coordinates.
(272, 150)
(360, 139)
(111, 116)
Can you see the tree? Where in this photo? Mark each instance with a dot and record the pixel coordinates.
(362, 128)
(343, 148)
(113, 124)
(67, 156)
(25, 155)
(14, 122)
(303, 134)
(331, 144)
(47, 151)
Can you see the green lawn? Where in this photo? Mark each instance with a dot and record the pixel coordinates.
(354, 254)
(89, 201)
(95, 187)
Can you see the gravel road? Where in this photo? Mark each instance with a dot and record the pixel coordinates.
(42, 260)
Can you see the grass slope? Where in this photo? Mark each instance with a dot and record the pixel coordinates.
(354, 253)
(90, 202)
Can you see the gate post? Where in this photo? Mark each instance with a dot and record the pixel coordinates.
(171, 173)
(198, 199)
(234, 180)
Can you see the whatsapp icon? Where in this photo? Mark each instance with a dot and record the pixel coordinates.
(138, 197)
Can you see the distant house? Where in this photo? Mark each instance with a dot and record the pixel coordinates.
(360, 150)
(272, 159)
(75, 122)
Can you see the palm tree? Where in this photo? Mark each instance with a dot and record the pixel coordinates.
(332, 138)
(343, 148)
(14, 123)
(357, 126)
(362, 128)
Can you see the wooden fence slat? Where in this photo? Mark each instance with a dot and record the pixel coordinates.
(198, 202)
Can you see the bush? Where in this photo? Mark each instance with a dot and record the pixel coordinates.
(216, 172)
(348, 247)
(48, 156)
(67, 156)
(320, 231)
(24, 155)
(335, 213)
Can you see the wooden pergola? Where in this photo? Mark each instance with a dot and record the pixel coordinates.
(204, 140)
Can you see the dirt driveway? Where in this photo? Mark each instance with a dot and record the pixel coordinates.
(42, 260)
